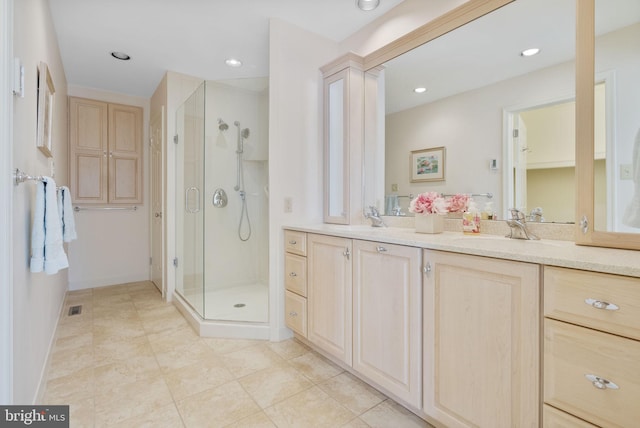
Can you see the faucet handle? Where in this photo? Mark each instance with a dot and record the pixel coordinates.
(516, 214)
(374, 211)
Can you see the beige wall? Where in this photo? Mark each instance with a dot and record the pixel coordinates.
(112, 246)
(295, 143)
(37, 298)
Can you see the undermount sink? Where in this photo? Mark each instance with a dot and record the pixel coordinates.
(470, 239)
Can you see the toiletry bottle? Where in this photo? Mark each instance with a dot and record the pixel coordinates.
(487, 212)
(471, 219)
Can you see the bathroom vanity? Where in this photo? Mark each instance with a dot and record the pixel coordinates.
(473, 330)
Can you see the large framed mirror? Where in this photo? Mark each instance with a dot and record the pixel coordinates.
(483, 99)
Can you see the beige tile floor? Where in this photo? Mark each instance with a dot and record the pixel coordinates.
(131, 360)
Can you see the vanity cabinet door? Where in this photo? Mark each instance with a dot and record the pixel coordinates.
(329, 295)
(481, 341)
(387, 317)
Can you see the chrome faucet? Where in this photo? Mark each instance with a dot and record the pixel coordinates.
(536, 215)
(518, 225)
(374, 216)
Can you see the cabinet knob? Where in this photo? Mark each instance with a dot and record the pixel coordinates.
(292, 242)
(293, 274)
(601, 383)
(158, 215)
(346, 253)
(600, 304)
(381, 249)
(426, 269)
(293, 314)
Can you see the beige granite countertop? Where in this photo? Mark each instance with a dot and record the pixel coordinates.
(545, 251)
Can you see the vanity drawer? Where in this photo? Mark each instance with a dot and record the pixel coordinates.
(554, 418)
(295, 274)
(573, 296)
(295, 311)
(295, 242)
(572, 353)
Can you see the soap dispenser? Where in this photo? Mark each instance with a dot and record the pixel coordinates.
(471, 219)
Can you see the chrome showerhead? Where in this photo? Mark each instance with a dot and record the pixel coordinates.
(245, 133)
(222, 125)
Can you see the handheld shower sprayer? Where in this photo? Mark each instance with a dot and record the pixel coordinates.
(239, 187)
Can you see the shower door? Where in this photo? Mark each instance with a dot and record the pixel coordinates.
(190, 129)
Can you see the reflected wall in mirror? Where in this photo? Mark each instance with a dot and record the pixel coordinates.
(472, 75)
(617, 56)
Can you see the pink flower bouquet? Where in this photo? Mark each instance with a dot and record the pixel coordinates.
(429, 203)
(458, 202)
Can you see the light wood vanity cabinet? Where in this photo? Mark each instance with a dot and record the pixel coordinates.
(105, 152)
(387, 317)
(295, 266)
(481, 341)
(365, 310)
(330, 295)
(592, 346)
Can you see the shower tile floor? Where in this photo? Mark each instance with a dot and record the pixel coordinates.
(248, 303)
(131, 360)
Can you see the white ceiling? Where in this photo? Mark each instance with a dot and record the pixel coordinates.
(488, 50)
(193, 37)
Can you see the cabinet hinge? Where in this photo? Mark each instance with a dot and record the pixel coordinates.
(515, 133)
(175, 261)
(175, 139)
(150, 261)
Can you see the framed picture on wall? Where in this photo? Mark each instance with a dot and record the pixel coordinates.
(427, 165)
(45, 109)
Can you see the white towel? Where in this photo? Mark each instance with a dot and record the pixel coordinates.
(47, 252)
(65, 211)
(631, 215)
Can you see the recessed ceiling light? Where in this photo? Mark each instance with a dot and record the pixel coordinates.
(367, 4)
(420, 90)
(530, 52)
(232, 62)
(121, 56)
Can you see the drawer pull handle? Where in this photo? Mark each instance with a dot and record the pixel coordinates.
(381, 249)
(292, 242)
(293, 274)
(601, 383)
(293, 314)
(599, 304)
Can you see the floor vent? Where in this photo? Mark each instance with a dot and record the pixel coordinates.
(75, 310)
(239, 305)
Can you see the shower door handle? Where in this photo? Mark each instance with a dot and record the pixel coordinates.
(186, 200)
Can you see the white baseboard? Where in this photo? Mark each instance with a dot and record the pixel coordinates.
(103, 282)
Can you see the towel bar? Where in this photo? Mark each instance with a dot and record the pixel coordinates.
(77, 208)
(486, 195)
(21, 177)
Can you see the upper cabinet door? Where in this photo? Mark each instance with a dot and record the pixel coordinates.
(105, 152)
(88, 150)
(125, 154)
(343, 140)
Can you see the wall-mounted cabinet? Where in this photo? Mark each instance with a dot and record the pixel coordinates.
(105, 152)
(343, 139)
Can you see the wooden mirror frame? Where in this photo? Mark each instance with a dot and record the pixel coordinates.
(585, 185)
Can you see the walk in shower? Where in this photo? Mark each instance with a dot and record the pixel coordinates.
(222, 201)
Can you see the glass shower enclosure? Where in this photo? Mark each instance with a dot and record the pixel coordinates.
(222, 201)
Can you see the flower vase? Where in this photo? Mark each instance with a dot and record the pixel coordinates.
(429, 223)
